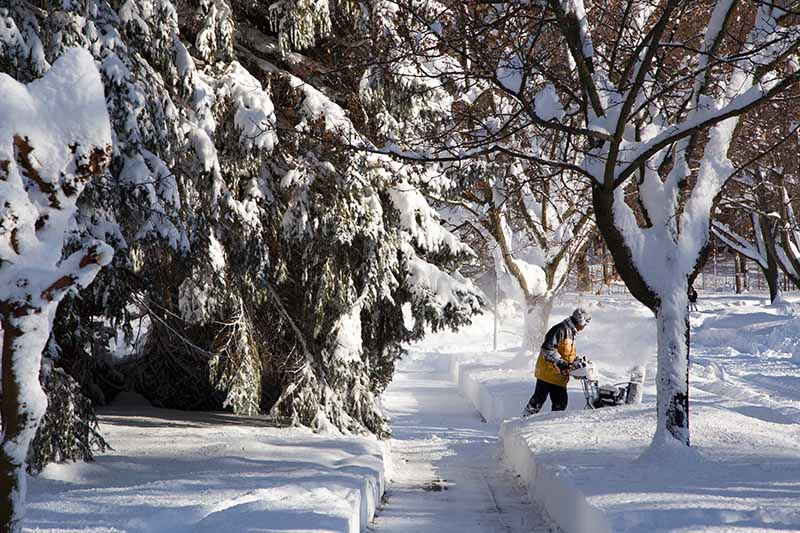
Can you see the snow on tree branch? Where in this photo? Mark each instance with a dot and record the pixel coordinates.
(54, 136)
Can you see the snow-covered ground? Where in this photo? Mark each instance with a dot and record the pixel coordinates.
(587, 468)
(585, 471)
(447, 474)
(174, 471)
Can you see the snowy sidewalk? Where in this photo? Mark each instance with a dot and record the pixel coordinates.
(181, 472)
(446, 474)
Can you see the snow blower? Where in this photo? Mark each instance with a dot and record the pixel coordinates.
(607, 395)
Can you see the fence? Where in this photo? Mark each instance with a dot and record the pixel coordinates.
(718, 275)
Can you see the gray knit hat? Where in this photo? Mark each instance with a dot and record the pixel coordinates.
(581, 317)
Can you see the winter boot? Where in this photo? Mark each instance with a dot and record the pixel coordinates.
(530, 410)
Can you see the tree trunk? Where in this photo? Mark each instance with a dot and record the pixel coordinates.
(767, 233)
(773, 283)
(22, 405)
(737, 269)
(12, 481)
(771, 273)
(745, 273)
(603, 203)
(788, 235)
(536, 321)
(606, 266)
(672, 320)
(537, 316)
(582, 270)
(536, 307)
(672, 380)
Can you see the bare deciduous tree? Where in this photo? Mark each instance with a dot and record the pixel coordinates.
(647, 95)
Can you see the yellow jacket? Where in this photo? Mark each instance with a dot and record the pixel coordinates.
(559, 343)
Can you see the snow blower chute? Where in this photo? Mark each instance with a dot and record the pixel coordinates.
(607, 395)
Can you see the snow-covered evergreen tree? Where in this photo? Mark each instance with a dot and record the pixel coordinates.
(536, 223)
(68, 431)
(54, 136)
(260, 263)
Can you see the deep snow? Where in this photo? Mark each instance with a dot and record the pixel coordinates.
(587, 467)
(174, 471)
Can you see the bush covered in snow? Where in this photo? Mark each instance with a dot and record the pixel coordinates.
(68, 431)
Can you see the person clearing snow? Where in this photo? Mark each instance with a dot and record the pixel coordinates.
(555, 360)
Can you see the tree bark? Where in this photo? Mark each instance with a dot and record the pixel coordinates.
(12, 481)
(606, 267)
(584, 276)
(603, 203)
(495, 227)
(672, 380)
(773, 282)
(771, 273)
(20, 410)
(745, 273)
(536, 320)
(672, 319)
(536, 307)
(737, 272)
(789, 224)
(537, 317)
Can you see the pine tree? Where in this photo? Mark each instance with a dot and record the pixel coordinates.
(262, 264)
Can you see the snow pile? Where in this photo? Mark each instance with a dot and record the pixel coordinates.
(757, 331)
(174, 471)
(496, 389)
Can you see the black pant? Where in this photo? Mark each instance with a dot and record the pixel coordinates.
(557, 393)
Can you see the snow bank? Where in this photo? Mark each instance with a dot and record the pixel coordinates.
(750, 352)
(499, 392)
(177, 472)
(741, 472)
(496, 391)
(551, 485)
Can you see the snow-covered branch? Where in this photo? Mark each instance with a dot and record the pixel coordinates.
(54, 136)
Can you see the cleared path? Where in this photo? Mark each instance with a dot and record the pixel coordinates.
(447, 473)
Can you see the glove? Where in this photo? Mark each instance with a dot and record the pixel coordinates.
(563, 366)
